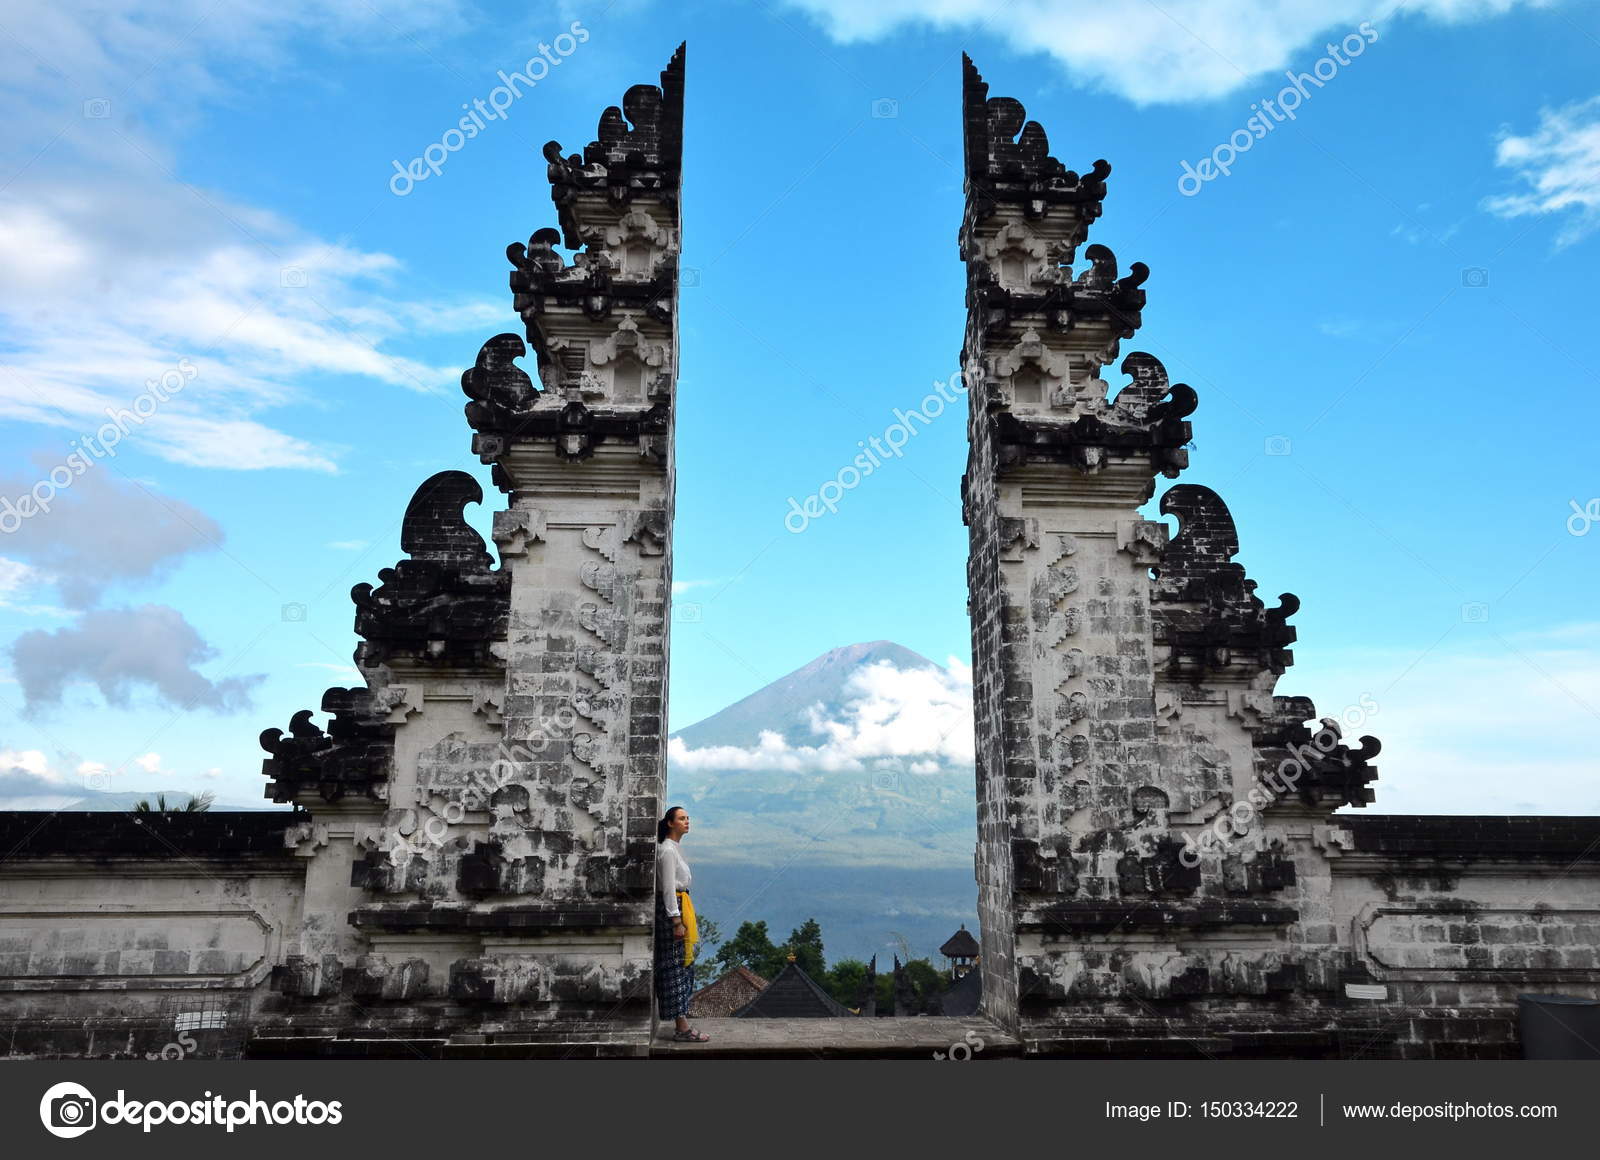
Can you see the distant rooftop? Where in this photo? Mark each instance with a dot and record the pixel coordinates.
(960, 945)
(726, 994)
(794, 995)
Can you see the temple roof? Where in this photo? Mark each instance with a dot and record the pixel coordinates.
(960, 945)
(794, 995)
(727, 993)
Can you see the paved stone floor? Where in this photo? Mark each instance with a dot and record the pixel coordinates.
(917, 1038)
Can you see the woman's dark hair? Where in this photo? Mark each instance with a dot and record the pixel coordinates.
(661, 826)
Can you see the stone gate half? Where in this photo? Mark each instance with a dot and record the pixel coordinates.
(482, 815)
(1160, 866)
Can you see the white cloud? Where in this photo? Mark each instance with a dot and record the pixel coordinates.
(121, 651)
(679, 587)
(1179, 50)
(14, 574)
(29, 782)
(1560, 162)
(1503, 724)
(206, 296)
(29, 761)
(113, 268)
(348, 545)
(916, 717)
(102, 530)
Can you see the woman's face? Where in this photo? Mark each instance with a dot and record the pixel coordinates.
(678, 824)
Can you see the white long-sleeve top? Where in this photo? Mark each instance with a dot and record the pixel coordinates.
(672, 874)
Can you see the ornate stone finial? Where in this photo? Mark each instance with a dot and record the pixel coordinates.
(354, 756)
(1204, 606)
(444, 605)
(1146, 415)
(502, 394)
(1008, 157)
(435, 525)
(637, 147)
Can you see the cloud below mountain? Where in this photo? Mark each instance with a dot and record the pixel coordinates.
(913, 719)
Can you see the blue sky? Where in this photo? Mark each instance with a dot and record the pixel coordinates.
(1386, 309)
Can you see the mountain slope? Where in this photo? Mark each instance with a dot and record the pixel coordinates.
(783, 706)
(858, 806)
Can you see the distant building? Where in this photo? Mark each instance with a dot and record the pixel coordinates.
(729, 992)
(794, 995)
(961, 950)
(965, 992)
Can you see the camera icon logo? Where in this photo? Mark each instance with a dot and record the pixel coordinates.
(293, 613)
(1278, 445)
(1475, 612)
(68, 1110)
(1474, 277)
(97, 108)
(685, 612)
(885, 108)
(292, 277)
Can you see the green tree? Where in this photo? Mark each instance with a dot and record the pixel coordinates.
(844, 981)
(195, 805)
(805, 943)
(750, 947)
(929, 981)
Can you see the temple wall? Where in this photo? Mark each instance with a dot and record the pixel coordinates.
(121, 937)
(1451, 918)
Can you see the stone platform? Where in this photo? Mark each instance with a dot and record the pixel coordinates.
(914, 1038)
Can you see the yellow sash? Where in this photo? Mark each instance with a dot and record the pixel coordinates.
(691, 930)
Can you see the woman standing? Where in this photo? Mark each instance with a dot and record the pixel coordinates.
(675, 936)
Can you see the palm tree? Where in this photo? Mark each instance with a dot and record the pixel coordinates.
(195, 805)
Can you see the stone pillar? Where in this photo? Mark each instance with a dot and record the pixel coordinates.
(1122, 688)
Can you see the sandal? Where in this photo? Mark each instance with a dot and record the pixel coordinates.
(690, 1036)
